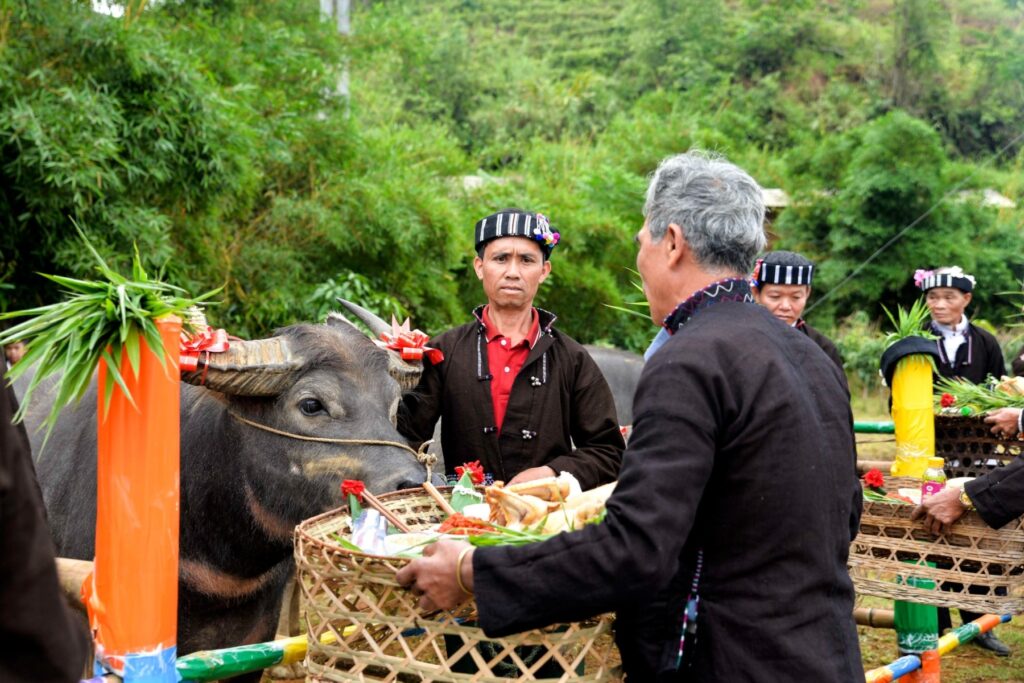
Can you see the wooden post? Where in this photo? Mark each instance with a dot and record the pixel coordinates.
(132, 595)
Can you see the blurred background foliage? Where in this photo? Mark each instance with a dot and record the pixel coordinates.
(212, 134)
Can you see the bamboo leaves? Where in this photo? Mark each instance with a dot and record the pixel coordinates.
(908, 323)
(106, 319)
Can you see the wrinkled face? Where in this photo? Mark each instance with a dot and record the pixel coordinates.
(648, 264)
(947, 304)
(511, 271)
(785, 302)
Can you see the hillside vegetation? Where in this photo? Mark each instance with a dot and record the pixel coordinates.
(212, 133)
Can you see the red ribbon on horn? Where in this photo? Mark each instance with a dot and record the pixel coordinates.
(208, 341)
(411, 344)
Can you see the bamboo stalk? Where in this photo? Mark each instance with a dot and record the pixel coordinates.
(874, 617)
(881, 465)
(438, 498)
(373, 502)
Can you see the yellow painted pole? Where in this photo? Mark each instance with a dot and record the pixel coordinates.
(913, 415)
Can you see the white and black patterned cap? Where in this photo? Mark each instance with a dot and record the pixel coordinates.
(516, 223)
(954, 277)
(782, 268)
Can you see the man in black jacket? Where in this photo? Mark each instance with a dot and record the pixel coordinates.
(781, 282)
(41, 641)
(965, 350)
(514, 392)
(723, 511)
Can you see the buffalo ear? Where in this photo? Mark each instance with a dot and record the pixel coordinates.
(263, 367)
(406, 374)
(337, 320)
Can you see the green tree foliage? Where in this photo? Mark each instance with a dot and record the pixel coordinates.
(890, 176)
(214, 138)
(212, 134)
(107, 126)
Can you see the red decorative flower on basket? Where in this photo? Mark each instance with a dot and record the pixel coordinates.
(353, 487)
(947, 400)
(475, 469)
(874, 480)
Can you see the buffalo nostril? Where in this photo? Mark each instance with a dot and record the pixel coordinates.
(409, 484)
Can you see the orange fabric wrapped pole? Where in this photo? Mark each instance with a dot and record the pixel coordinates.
(132, 597)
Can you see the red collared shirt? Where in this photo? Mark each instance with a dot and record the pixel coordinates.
(504, 362)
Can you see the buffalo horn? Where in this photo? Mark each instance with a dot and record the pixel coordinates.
(371, 320)
(406, 374)
(263, 367)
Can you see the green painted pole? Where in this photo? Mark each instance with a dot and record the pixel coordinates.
(213, 665)
(865, 427)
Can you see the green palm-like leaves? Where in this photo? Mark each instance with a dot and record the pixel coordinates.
(100, 319)
(908, 323)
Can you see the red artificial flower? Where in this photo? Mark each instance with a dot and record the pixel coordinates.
(353, 487)
(410, 344)
(947, 400)
(874, 479)
(475, 469)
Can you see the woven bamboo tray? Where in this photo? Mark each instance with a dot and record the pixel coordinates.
(974, 563)
(381, 635)
(969, 448)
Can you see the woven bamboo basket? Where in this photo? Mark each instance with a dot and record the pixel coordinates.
(976, 567)
(381, 635)
(969, 448)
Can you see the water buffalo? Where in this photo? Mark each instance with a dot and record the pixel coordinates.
(243, 489)
(621, 369)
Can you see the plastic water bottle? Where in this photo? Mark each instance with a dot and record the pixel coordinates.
(934, 478)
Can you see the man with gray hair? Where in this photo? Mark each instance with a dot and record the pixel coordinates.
(724, 545)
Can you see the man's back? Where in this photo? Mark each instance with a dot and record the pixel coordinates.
(781, 501)
(742, 450)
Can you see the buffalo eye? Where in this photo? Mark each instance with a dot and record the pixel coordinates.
(311, 406)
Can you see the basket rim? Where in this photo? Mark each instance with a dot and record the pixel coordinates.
(302, 528)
